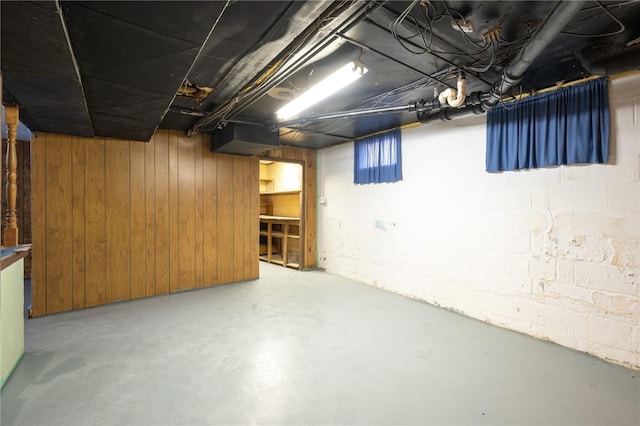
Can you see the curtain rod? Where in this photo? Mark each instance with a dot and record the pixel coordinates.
(403, 127)
(572, 83)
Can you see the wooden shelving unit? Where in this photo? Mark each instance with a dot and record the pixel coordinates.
(278, 231)
(266, 186)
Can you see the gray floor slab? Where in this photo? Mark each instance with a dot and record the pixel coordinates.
(302, 348)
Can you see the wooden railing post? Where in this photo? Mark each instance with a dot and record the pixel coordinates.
(11, 228)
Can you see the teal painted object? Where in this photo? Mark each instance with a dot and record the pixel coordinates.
(4, 380)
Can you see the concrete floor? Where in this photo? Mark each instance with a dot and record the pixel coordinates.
(302, 348)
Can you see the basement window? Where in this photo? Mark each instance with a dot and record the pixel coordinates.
(566, 126)
(378, 158)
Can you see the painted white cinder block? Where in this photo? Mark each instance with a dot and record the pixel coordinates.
(622, 115)
(569, 297)
(624, 197)
(531, 312)
(566, 273)
(542, 268)
(616, 355)
(534, 178)
(579, 196)
(540, 198)
(603, 331)
(507, 240)
(561, 324)
(584, 247)
(554, 252)
(603, 276)
(518, 265)
(612, 224)
(624, 88)
(539, 244)
(616, 306)
(509, 198)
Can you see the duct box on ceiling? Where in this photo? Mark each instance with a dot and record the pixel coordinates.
(243, 139)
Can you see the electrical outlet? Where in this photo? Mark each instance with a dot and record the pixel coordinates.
(323, 201)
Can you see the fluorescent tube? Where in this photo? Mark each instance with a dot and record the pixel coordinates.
(325, 88)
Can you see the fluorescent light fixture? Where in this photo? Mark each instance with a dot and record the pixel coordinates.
(325, 88)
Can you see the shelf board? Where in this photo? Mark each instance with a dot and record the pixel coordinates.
(277, 257)
(278, 261)
(297, 191)
(273, 234)
(267, 218)
(279, 235)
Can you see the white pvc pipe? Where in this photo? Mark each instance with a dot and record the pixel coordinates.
(457, 101)
(454, 98)
(444, 95)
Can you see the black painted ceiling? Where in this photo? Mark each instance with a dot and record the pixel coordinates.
(122, 69)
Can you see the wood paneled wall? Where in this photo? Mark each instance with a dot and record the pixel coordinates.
(308, 158)
(117, 220)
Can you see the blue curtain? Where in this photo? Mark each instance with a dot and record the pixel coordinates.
(567, 126)
(378, 158)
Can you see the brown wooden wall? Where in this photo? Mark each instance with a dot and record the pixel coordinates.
(116, 220)
(308, 158)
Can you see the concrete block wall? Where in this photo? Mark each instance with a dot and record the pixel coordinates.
(553, 253)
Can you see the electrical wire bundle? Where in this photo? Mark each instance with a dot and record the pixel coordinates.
(286, 61)
(415, 36)
(425, 35)
(606, 10)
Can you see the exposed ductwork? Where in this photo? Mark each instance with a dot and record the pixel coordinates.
(624, 60)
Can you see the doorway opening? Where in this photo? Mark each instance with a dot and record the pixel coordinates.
(281, 213)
